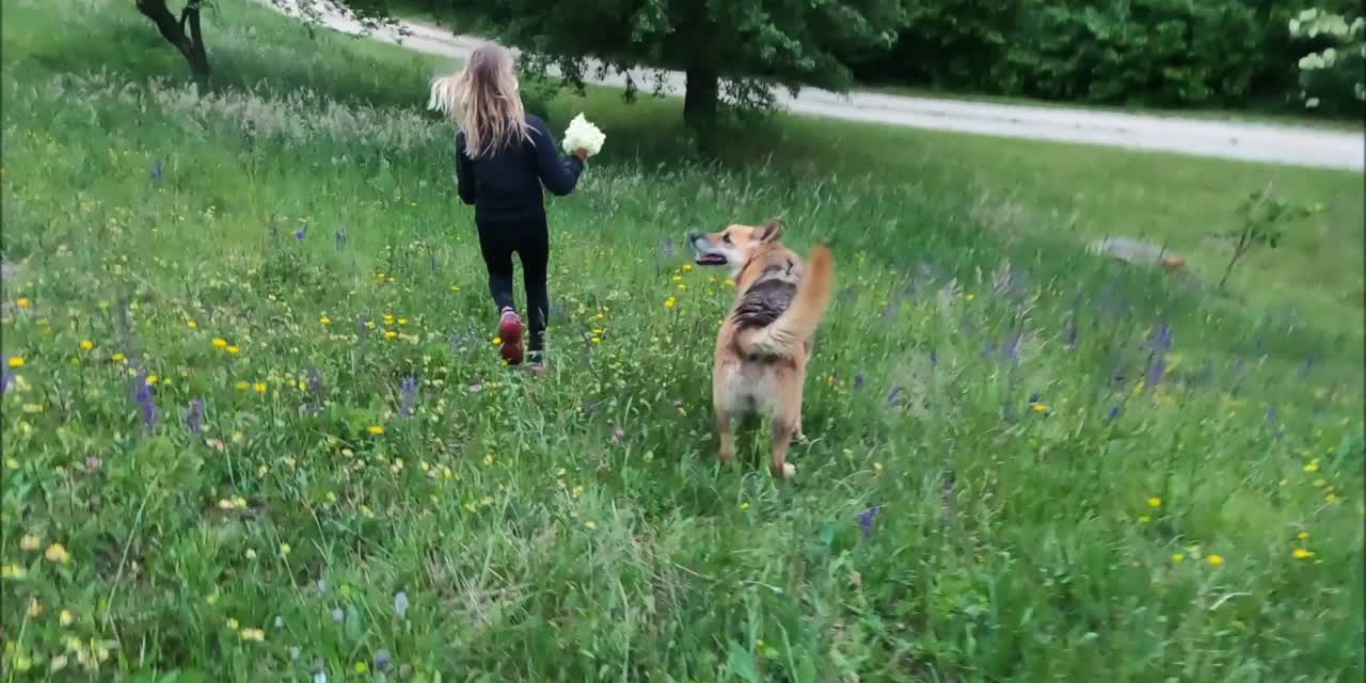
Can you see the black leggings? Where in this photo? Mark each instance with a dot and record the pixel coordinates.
(530, 240)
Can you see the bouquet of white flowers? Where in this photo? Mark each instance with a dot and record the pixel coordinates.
(583, 135)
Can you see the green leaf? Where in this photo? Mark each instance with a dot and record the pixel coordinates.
(741, 663)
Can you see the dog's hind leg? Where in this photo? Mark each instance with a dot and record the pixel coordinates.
(727, 436)
(782, 432)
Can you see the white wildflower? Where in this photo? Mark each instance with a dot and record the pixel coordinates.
(583, 135)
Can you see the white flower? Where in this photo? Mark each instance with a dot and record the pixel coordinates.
(583, 135)
(1311, 103)
(1329, 57)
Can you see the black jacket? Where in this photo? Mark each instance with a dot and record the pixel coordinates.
(505, 186)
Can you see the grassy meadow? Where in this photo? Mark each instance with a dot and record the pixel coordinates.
(254, 426)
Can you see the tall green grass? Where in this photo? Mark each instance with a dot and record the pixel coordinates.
(1023, 461)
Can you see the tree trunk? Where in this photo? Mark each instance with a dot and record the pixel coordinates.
(191, 44)
(700, 104)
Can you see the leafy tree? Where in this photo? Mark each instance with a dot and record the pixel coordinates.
(185, 34)
(732, 51)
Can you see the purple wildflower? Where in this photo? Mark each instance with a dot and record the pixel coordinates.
(382, 661)
(401, 604)
(1113, 414)
(1271, 413)
(1033, 398)
(934, 359)
(858, 380)
(1158, 345)
(340, 238)
(1306, 368)
(194, 419)
(299, 235)
(407, 393)
(156, 170)
(865, 520)
(142, 396)
(1012, 348)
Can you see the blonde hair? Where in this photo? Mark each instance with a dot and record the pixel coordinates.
(483, 101)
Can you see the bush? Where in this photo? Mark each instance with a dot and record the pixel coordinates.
(1169, 53)
(1330, 75)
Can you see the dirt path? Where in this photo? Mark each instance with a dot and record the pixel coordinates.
(1209, 138)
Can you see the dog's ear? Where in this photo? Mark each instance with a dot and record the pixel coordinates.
(771, 231)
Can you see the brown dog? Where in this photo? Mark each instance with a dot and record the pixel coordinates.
(763, 346)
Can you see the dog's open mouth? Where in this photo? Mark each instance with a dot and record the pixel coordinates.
(710, 260)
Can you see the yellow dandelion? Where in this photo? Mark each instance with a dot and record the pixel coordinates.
(1215, 560)
(1039, 408)
(30, 542)
(259, 387)
(325, 320)
(151, 380)
(232, 350)
(590, 525)
(669, 302)
(1145, 519)
(497, 341)
(56, 554)
(402, 322)
(12, 571)
(687, 267)
(220, 343)
(970, 297)
(23, 303)
(744, 506)
(191, 324)
(376, 430)
(86, 344)
(597, 340)
(1303, 535)
(601, 315)
(118, 358)
(285, 549)
(486, 501)
(877, 466)
(1302, 554)
(35, 608)
(1313, 466)
(66, 617)
(361, 667)
(16, 362)
(1154, 502)
(255, 634)
(390, 334)
(243, 386)
(1178, 558)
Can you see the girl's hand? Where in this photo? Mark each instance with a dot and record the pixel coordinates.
(582, 155)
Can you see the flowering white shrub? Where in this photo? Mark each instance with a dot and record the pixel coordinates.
(1327, 72)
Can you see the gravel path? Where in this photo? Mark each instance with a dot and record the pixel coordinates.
(1268, 143)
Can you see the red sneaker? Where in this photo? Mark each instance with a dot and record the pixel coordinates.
(510, 331)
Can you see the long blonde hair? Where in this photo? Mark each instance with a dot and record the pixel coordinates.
(483, 101)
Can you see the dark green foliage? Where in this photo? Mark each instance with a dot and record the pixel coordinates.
(1170, 53)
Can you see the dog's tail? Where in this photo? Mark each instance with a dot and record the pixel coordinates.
(798, 323)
